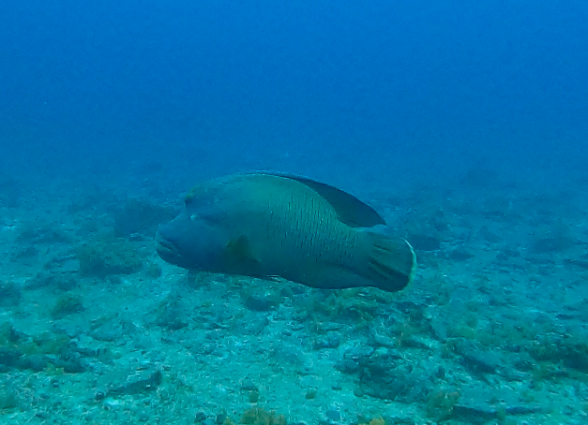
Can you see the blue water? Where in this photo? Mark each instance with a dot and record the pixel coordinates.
(464, 124)
(376, 87)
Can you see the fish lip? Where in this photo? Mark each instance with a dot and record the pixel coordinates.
(165, 246)
(170, 253)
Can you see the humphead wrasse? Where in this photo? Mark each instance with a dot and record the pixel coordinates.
(272, 226)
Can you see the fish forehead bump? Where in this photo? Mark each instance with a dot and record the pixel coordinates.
(244, 188)
(264, 188)
(215, 196)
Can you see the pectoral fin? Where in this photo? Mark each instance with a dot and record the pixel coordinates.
(239, 250)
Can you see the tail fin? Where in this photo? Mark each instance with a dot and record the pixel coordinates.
(392, 262)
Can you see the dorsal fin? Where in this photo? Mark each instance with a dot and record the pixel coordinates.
(350, 210)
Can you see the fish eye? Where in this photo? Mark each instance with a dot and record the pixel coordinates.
(189, 200)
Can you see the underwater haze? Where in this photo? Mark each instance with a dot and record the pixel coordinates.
(463, 125)
(381, 88)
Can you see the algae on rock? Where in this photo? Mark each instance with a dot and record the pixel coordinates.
(108, 256)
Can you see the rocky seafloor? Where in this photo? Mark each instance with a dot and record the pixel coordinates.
(96, 329)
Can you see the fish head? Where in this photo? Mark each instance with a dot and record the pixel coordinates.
(191, 241)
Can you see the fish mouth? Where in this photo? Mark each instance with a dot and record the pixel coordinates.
(166, 249)
(170, 252)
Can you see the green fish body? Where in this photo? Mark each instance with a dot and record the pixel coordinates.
(271, 225)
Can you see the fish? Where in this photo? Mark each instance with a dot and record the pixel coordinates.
(277, 226)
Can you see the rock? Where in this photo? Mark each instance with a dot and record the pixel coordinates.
(550, 244)
(475, 414)
(251, 324)
(9, 357)
(10, 293)
(379, 340)
(108, 333)
(140, 383)
(264, 301)
(476, 359)
(439, 328)
(384, 376)
(333, 415)
(352, 357)
(479, 404)
(330, 340)
(248, 385)
(143, 416)
(459, 255)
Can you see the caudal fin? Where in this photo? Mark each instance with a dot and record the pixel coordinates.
(392, 262)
